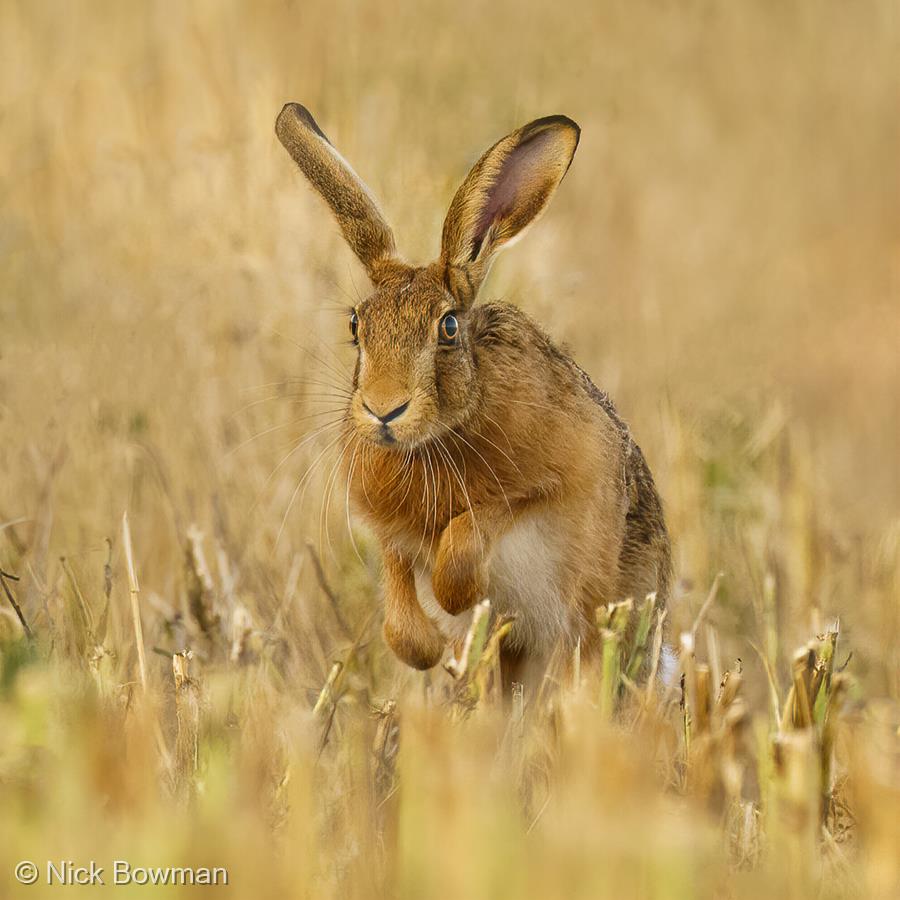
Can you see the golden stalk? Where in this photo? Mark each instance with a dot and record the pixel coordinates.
(134, 589)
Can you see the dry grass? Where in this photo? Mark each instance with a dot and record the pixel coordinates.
(723, 257)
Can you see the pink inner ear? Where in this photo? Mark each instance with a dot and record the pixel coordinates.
(518, 174)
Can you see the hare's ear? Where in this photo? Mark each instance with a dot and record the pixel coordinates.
(507, 190)
(356, 211)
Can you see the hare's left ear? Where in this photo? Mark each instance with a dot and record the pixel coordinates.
(507, 190)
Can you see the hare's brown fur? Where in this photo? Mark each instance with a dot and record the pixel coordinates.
(487, 462)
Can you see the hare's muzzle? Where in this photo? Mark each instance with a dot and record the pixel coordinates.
(386, 417)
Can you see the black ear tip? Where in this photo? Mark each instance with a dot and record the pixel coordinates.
(532, 129)
(566, 122)
(297, 112)
(573, 125)
(560, 119)
(291, 111)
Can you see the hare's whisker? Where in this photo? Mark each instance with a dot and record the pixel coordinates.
(490, 468)
(350, 470)
(331, 368)
(343, 384)
(300, 444)
(425, 502)
(397, 473)
(500, 449)
(275, 428)
(289, 401)
(362, 471)
(326, 499)
(435, 482)
(461, 476)
(303, 479)
(455, 470)
(501, 429)
(321, 396)
(407, 480)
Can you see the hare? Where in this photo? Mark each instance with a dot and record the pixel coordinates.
(484, 459)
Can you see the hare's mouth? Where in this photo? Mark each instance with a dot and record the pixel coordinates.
(386, 436)
(383, 435)
(397, 437)
(399, 426)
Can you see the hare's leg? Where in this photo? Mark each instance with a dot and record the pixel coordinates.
(513, 668)
(408, 631)
(459, 575)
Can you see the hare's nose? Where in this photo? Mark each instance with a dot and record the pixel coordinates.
(385, 417)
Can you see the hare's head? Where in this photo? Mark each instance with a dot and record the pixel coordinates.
(416, 373)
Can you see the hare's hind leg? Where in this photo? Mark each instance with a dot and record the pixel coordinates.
(513, 668)
(535, 670)
(645, 560)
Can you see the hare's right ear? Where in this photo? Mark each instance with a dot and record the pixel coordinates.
(356, 211)
(507, 190)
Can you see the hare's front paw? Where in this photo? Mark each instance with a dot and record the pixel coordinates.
(415, 640)
(458, 578)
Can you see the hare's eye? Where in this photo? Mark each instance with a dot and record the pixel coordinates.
(449, 329)
(354, 325)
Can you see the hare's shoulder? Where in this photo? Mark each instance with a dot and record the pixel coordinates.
(505, 331)
(503, 327)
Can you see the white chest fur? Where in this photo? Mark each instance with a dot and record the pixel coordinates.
(524, 580)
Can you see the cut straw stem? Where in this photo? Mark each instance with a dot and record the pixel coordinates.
(642, 633)
(610, 683)
(134, 589)
(12, 602)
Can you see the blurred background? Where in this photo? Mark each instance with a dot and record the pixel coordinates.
(723, 258)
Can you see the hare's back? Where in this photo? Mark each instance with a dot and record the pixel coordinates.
(645, 561)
